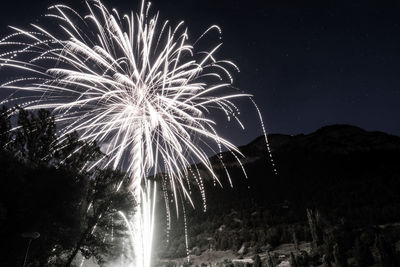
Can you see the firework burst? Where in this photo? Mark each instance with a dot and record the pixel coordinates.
(136, 86)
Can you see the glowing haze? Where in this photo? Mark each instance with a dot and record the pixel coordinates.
(136, 86)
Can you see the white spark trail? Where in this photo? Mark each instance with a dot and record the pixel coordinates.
(136, 85)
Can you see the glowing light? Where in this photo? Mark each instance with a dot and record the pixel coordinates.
(136, 86)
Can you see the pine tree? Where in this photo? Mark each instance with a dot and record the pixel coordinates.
(339, 256)
(295, 241)
(293, 261)
(313, 220)
(386, 256)
(257, 261)
(5, 127)
(362, 254)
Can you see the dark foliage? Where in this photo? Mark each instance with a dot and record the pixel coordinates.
(48, 189)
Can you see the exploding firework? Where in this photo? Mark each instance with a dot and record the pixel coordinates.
(136, 86)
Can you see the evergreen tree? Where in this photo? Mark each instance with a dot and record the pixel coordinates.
(48, 188)
(339, 256)
(386, 255)
(5, 127)
(257, 261)
(362, 254)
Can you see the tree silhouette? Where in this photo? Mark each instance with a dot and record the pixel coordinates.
(48, 189)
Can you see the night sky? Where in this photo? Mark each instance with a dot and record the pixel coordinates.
(308, 63)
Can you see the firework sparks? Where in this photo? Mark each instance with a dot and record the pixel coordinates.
(135, 85)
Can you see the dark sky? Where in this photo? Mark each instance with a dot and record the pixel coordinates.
(308, 63)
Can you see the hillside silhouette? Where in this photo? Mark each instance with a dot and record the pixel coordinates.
(341, 178)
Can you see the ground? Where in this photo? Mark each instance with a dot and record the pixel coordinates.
(212, 258)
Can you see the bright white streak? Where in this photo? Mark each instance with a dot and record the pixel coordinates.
(134, 84)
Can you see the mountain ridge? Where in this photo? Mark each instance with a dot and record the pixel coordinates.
(348, 176)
